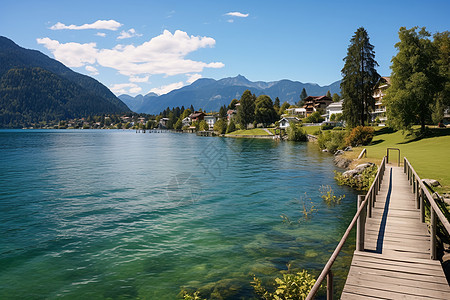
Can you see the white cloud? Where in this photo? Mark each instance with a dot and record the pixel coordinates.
(139, 79)
(167, 88)
(92, 70)
(102, 34)
(71, 54)
(99, 24)
(237, 14)
(128, 34)
(193, 77)
(164, 54)
(125, 88)
(230, 21)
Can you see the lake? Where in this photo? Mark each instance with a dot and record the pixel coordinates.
(111, 214)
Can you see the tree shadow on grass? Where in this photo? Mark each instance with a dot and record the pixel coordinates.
(376, 142)
(385, 130)
(416, 135)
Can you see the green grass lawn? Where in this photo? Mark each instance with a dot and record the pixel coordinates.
(311, 129)
(256, 131)
(429, 156)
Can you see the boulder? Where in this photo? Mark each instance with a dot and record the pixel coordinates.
(431, 182)
(342, 162)
(338, 152)
(360, 168)
(350, 173)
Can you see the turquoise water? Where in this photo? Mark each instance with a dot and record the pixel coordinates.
(89, 214)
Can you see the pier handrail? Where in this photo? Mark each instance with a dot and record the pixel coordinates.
(369, 198)
(422, 194)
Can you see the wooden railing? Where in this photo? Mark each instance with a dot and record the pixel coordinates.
(359, 219)
(423, 196)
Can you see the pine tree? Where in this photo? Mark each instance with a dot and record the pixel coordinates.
(246, 109)
(329, 94)
(359, 79)
(303, 95)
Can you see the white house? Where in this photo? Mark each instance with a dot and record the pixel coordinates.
(333, 108)
(186, 121)
(284, 122)
(300, 111)
(211, 120)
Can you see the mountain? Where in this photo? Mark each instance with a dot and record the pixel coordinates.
(136, 103)
(210, 94)
(35, 87)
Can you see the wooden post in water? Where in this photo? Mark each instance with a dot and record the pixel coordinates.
(360, 226)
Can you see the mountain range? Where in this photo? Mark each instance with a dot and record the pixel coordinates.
(36, 88)
(210, 94)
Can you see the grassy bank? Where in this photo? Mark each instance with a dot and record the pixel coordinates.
(430, 156)
(256, 131)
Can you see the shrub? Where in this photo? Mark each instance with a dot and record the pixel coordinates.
(203, 126)
(360, 136)
(290, 286)
(328, 195)
(315, 117)
(331, 140)
(231, 126)
(326, 126)
(338, 128)
(220, 126)
(296, 133)
(360, 182)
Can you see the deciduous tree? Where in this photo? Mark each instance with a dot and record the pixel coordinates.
(414, 80)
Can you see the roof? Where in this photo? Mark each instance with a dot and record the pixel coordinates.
(196, 114)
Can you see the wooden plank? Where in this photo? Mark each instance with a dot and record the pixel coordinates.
(381, 259)
(434, 286)
(386, 285)
(397, 268)
(381, 294)
(356, 270)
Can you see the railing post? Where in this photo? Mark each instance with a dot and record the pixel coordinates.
(371, 203)
(360, 225)
(330, 285)
(422, 206)
(433, 233)
(404, 165)
(413, 183)
(418, 189)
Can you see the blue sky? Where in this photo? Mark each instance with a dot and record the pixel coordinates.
(135, 47)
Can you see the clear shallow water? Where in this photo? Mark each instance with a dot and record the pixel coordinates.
(115, 214)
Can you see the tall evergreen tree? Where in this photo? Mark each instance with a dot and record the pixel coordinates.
(246, 109)
(303, 95)
(442, 43)
(414, 80)
(329, 94)
(359, 79)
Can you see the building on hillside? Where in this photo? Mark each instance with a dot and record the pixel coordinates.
(297, 111)
(211, 120)
(163, 123)
(230, 114)
(378, 94)
(333, 109)
(316, 103)
(197, 116)
(186, 121)
(284, 122)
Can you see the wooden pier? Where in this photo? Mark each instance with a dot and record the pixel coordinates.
(395, 262)
(395, 255)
